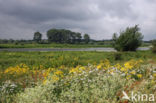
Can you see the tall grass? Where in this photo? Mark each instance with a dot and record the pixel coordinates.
(67, 58)
(54, 45)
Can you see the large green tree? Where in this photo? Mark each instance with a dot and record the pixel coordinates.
(154, 46)
(86, 38)
(128, 40)
(63, 36)
(37, 37)
(78, 37)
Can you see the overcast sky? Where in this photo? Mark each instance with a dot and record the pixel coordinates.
(19, 19)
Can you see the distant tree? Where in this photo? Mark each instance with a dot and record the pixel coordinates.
(63, 36)
(56, 35)
(114, 38)
(129, 40)
(78, 37)
(86, 38)
(37, 37)
(154, 46)
(51, 35)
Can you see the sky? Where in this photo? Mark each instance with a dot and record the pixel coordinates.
(19, 19)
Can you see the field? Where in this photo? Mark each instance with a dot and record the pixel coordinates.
(55, 45)
(68, 58)
(75, 77)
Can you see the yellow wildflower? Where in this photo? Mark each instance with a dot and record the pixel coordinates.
(82, 68)
(128, 65)
(44, 81)
(128, 76)
(111, 71)
(154, 75)
(17, 70)
(99, 66)
(55, 78)
(139, 75)
(133, 72)
(118, 66)
(123, 69)
(153, 82)
(59, 73)
(72, 70)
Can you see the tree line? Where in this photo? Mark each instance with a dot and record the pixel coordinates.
(62, 36)
(127, 40)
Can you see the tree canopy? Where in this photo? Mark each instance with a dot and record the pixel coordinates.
(86, 38)
(129, 40)
(63, 36)
(37, 37)
(154, 46)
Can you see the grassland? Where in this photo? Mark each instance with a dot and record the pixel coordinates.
(54, 45)
(68, 58)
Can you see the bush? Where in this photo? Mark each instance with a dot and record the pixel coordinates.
(129, 40)
(7, 91)
(154, 46)
(95, 87)
(117, 56)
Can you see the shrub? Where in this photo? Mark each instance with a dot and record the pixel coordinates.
(7, 91)
(117, 56)
(87, 88)
(129, 40)
(154, 46)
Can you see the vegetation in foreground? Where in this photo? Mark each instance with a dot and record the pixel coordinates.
(45, 77)
(93, 83)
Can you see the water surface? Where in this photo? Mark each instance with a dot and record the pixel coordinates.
(66, 49)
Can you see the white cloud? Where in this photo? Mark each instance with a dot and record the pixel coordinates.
(99, 18)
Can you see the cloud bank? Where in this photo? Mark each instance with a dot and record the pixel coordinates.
(19, 19)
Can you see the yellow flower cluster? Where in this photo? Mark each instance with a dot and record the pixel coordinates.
(129, 69)
(17, 70)
(130, 65)
(104, 64)
(47, 72)
(59, 73)
(22, 70)
(153, 81)
(139, 75)
(77, 70)
(55, 77)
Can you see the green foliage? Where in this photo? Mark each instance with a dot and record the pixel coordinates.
(154, 46)
(53, 45)
(98, 86)
(87, 88)
(63, 36)
(117, 56)
(86, 38)
(66, 58)
(7, 91)
(129, 40)
(37, 37)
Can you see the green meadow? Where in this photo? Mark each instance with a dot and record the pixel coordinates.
(69, 58)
